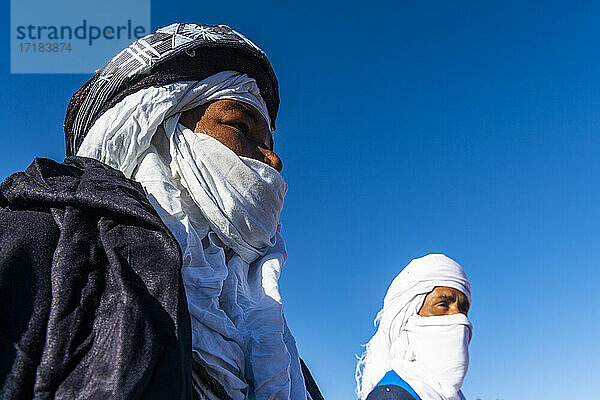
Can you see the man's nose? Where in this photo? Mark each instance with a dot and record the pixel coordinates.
(273, 160)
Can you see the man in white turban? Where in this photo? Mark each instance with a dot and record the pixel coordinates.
(420, 350)
(147, 264)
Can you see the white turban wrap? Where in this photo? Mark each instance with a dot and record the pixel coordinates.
(388, 348)
(203, 190)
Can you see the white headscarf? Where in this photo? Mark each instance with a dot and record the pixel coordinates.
(202, 189)
(399, 323)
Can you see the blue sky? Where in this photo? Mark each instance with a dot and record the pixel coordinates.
(408, 128)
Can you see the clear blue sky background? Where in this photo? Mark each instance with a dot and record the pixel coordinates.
(408, 128)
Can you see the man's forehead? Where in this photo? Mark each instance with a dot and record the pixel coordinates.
(446, 291)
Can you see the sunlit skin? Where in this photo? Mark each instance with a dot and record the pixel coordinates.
(238, 126)
(444, 300)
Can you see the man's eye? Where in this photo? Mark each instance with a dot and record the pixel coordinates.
(243, 128)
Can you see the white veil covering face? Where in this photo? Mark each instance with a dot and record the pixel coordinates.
(389, 349)
(203, 190)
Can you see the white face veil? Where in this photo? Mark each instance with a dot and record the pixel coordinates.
(203, 190)
(402, 341)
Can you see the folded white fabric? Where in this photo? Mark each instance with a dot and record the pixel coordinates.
(201, 189)
(241, 198)
(429, 353)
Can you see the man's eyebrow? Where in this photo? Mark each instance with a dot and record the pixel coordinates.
(244, 108)
(448, 297)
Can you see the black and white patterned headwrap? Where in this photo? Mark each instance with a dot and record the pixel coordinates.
(178, 52)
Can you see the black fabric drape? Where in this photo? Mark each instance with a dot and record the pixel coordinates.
(311, 385)
(92, 304)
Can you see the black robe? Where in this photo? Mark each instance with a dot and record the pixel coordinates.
(389, 392)
(92, 305)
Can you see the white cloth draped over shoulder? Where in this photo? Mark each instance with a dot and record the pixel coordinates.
(204, 192)
(429, 353)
